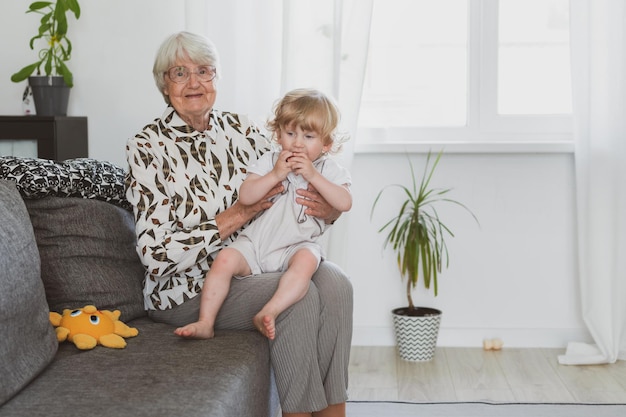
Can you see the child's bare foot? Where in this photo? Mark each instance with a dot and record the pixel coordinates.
(266, 325)
(197, 330)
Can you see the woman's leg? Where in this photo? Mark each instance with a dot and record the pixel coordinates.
(293, 352)
(335, 333)
(319, 324)
(311, 351)
(333, 341)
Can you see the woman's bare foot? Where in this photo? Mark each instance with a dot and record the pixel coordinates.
(265, 324)
(197, 330)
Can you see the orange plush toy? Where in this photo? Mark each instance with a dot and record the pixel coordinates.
(87, 327)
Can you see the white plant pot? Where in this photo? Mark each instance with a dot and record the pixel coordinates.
(416, 336)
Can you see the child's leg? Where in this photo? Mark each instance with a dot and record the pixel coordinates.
(292, 286)
(228, 262)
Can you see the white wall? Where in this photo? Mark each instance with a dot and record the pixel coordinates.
(513, 277)
(114, 43)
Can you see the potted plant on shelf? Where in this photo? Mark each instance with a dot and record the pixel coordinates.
(418, 236)
(51, 88)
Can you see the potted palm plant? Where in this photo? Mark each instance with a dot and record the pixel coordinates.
(53, 80)
(418, 236)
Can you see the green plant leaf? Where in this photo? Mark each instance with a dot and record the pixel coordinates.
(48, 62)
(43, 29)
(68, 53)
(74, 7)
(52, 30)
(24, 73)
(38, 5)
(59, 16)
(32, 41)
(67, 75)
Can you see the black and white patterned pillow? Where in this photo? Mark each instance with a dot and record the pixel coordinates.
(80, 177)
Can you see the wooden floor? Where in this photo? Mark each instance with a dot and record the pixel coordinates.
(472, 374)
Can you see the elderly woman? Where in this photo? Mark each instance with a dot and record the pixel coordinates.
(185, 169)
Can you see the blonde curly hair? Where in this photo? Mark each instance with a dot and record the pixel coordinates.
(311, 110)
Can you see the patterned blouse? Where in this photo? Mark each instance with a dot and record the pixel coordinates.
(178, 180)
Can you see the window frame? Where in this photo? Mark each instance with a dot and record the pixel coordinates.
(485, 130)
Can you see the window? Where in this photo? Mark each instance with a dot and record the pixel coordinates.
(533, 57)
(467, 71)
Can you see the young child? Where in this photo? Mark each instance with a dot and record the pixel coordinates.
(283, 238)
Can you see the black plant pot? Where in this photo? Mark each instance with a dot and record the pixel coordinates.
(51, 95)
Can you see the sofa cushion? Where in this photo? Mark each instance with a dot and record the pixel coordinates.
(28, 341)
(157, 375)
(88, 255)
(80, 177)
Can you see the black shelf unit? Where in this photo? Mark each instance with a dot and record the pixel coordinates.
(58, 137)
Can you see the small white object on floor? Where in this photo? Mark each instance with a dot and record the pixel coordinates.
(493, 344)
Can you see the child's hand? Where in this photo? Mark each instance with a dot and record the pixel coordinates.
(302, 165)
(282, 167)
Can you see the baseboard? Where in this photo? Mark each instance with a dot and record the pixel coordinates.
(465, 337)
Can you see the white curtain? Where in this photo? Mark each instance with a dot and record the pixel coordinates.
(325, 45)
(598, 35)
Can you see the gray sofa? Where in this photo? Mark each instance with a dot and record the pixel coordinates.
(67, 240)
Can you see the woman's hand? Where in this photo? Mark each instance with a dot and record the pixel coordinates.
(233, 218)
(316, 205)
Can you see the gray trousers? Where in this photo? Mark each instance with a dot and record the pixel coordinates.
(311, 351)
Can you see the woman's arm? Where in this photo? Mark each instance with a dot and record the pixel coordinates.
(233, 219)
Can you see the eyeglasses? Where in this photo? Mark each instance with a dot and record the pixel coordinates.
(182, 74)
